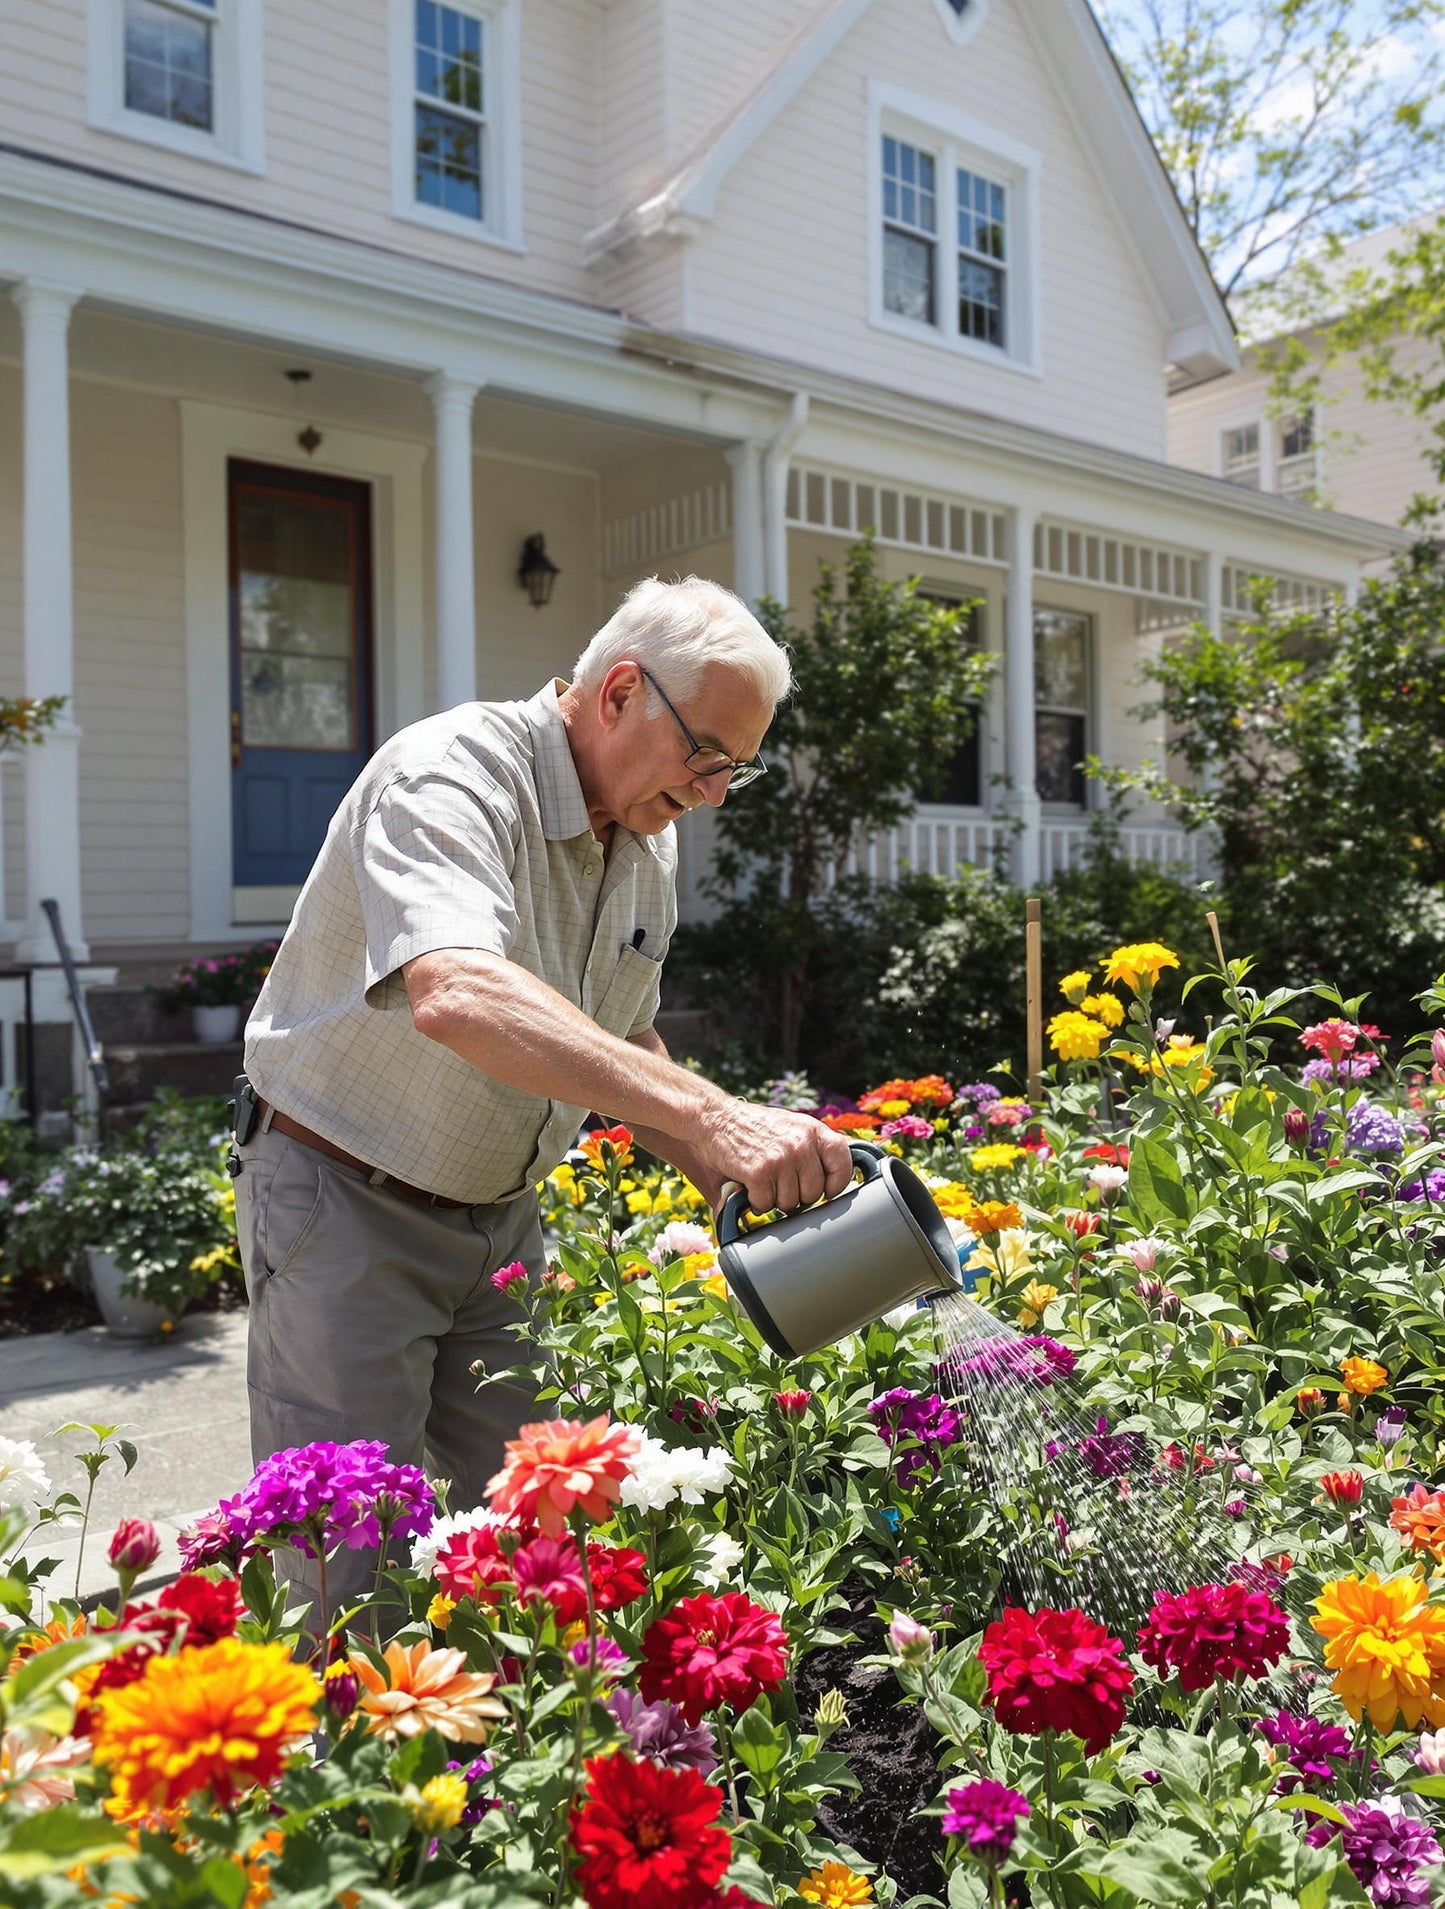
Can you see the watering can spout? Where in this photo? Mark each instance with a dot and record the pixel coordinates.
(811, 1277)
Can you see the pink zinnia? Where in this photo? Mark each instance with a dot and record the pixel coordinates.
(508, 1276)
(1214, 1633)
(549, 1571)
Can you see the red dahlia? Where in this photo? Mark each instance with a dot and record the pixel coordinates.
(473, 1564)
(618, 1576)
(713, 1650)
(1214, 1633)
(648, 1837)
(1056, 1670)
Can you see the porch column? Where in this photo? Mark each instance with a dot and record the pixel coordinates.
(52, 767)
(776, 459)
(749, 566)
(456, 601)
(1020, 757)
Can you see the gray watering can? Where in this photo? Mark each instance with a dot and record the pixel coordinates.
(810, 1277)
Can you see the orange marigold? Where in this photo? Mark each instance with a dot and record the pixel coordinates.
(1419, 1517)
(1386, 1646)
(426, 1689)
(222, 1718)
(560, 1464)
(850, 1123)
(992, 1216)
(877, 1097)
(1363, 1376)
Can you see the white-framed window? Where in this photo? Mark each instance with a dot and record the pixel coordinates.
(1063, 678)
(1296, 464)
(456, 117)
(1239, 456)
(955, 230)
(183, 74)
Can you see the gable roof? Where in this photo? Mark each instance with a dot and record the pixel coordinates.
(1087, 80)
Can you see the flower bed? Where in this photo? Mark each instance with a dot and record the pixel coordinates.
(705, 1590)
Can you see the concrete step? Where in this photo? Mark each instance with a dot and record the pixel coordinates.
(136, 1071)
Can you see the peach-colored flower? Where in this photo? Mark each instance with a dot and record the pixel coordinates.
(1419, 1517)
(35, 1766)
(1363, 1376)
(561, 1464)
(426, 1689)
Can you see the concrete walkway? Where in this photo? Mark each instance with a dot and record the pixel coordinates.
(182, 1403)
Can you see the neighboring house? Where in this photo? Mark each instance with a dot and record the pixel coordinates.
(319, 309)
(1347, 451)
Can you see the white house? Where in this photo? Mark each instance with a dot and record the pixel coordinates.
(318, 309)
(1348, 451)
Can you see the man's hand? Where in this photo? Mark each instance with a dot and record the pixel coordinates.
(781, 1159)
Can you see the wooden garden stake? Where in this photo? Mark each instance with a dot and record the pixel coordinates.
(1034, 989)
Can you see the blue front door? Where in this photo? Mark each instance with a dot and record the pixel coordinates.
(301, 663)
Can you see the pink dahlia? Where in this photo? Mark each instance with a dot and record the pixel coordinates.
(1214, 1633)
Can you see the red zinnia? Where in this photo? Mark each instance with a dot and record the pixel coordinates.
(1081, 1224)
(1114, 1156)
(1343, 1488)
(648, 1837)
(619, 1576)
(549, 1571)
(473, 1564)
(1056, 1670)
(210, 1610)
(1214, 1633)
(713, 1650)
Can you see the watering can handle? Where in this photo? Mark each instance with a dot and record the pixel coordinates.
(867, 1158)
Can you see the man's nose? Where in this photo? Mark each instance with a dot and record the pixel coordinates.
(713, 789)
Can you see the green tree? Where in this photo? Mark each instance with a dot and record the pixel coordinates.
(885, 688)
(1286, 125)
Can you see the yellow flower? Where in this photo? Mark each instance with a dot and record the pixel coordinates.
(222, 1717)
(992, 1216)
(1033, 1300)
(1008, 1255)
(953, 1200)
(699, 1265)
(836, 1886)
(990, 1159)
(439, 1611)
(438, 1805)
(1075, 986)
(1139, 964)
(1363, 1376)
(715, 1284)
(891, 1109)
(1386, 1644)
(1076, 1037)
(1107, 1008)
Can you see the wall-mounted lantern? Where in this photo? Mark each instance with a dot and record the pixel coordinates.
(537, 573)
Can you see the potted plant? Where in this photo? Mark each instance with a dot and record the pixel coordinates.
(218, 988)
(156, 1226)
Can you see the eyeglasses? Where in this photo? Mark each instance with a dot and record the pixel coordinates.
(710, 762)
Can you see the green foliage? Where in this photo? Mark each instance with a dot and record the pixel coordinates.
(1318, 749)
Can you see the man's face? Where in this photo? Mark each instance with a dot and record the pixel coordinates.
(647, 782)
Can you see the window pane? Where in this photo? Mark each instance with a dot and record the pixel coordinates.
(1297, 436)
(449, 55)
(1061, 659)
(168, 64)
(909, 190)
(908, 276)
(449, 162)
(980, 301)
(1059, 746)
(297, 624)
(962, 783)
(980, 215)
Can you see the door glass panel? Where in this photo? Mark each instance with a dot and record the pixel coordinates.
(296, 575)
(1061, 659)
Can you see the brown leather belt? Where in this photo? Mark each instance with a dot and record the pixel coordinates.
(293, 1130)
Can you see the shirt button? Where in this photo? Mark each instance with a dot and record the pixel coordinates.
(589, 868)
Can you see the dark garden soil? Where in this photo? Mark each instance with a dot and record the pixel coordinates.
(32, 1305)
(889, 1748)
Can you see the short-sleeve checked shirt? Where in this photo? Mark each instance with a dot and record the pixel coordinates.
(467, 830)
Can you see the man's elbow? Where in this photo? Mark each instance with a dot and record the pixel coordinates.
(439, 994)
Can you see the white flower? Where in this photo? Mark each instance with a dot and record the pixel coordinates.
(657, 1475)
(1143, 1254)
(1108, 1179)
(23, 1477)
(680, 1239)
(719, 1558)
(424, 1550)
(35, 1767)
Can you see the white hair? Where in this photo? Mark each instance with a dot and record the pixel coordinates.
(679, 630)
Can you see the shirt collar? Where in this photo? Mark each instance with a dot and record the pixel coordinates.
(559, 789)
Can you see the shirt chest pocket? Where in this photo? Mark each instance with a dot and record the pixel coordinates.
(629, 999)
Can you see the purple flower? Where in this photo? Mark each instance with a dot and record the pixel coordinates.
(217, 1537)
(1038, 1360)
(1106, 1453)
(1354, 1067)
(393, 1498)
(987, 1814)
(473, 1772)
(1390, 1425)
(661, 1732)
(978, 1093)
(1432, 1189)
(337, 1494)
(607, 1658)
(1386, 1849)
(926, 1419)
(1307, 1745)
(1368, 1129)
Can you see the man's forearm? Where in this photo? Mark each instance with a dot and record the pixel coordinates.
(507, 1023)
(672, 1147)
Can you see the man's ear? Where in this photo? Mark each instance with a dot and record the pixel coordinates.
(621, 686)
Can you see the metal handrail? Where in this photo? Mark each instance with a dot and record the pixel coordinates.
(94, 1052)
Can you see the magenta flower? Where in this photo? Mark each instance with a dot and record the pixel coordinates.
(330, 1494)
(1310, 1747)
(987, 1815)
(1387, 1850)
(1037, 1360)
(506, 1277)
(907, 1127)
(905, 1415)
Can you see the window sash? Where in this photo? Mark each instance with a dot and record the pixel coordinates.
(450, 134)
(1241, 456)
(157, 79)
(963, 294)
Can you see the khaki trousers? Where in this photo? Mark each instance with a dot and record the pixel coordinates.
(368, 1312)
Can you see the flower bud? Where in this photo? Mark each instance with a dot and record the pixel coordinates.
(1343, 1488)
(831, 1713)
(1296, 1126)
(1164, 1027)
(1108, 1179)
(910, 1640)
(439, 1611)
(1309, 1401)
(1081, 1224)
(1149, 1291)
(340, 1692)
(135, 1546)
(1234, 1507)
(1430, 1750)
(1390, 1425)
(1169, 1302)
(1142, 1254)
(792, 1404)
(1437, 1046)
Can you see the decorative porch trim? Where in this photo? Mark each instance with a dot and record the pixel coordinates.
(643, 538)
(1287, 593)
(820, 499)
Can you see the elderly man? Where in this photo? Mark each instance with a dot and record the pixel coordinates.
(473, 964)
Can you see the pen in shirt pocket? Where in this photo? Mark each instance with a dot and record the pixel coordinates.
(638, 937)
